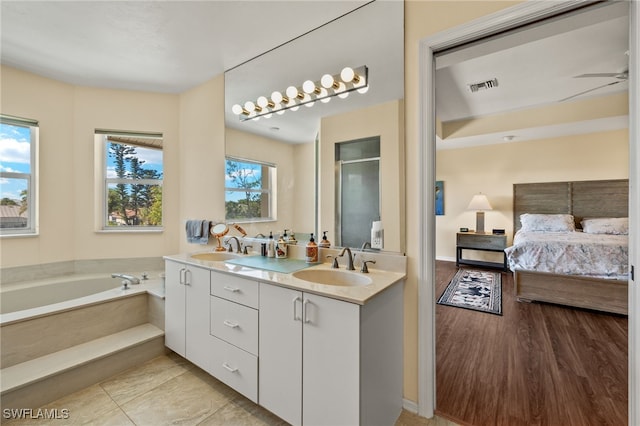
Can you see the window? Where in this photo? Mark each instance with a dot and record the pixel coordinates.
(18, 146)
(133, 172)
(249, 192)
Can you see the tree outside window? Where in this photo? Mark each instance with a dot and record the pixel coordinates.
(248, 192)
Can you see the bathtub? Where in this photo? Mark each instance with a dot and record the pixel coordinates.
(41, 297)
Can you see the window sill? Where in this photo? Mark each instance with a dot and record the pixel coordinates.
(130, 231)
(32, 235)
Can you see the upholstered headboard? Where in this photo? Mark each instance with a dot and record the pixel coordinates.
(589, 198)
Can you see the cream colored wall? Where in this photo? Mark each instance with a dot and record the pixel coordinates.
(199, 174)
(423, 19)
(252, 147)
(493, 169)
(304, 190)
(384, 120)
(68, 116)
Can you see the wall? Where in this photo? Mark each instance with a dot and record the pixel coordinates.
(68, 116)
(384, 120)
(493, 169)
(304, 206)
(423, 19)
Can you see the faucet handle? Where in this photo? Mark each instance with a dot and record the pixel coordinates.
(365, 269)
(228, 244)
(244, 250)
(335, 264)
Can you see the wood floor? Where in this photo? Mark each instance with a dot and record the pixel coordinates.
(537, 364)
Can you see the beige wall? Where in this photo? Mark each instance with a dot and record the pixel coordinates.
(304, 190)
(423, 19)
(68, 116)
(384, 120)
(493, 169)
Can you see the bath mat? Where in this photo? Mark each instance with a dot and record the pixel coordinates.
(474, 289)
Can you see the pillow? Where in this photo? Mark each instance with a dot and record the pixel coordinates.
(547, 222)
(608, 225)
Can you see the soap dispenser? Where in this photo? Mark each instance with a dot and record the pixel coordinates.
(325, 243)
(271, 249)
(311, 252)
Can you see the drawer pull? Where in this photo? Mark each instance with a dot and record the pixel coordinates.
(230, 324)
(231, 289)
(229, 368)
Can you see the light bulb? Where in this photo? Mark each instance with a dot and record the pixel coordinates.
(363, 90)
(327, 81)
(292, 92)
(347, 74)
(237, 109)
(324, 96)
(309, 86)
(263, 101)
(341, 88)
(249, 106)
(307, 100)
(276, 97)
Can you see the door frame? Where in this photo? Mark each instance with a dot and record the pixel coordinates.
(508, 18)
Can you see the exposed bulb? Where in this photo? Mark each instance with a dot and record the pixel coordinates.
(292, 92)
(250, 106)
(237, 109)
(262, 101)
(309, 86)
(327, 81)
(324, 95)
(347, 74)
(276, 97)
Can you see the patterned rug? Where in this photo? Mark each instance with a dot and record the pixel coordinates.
(474, 289)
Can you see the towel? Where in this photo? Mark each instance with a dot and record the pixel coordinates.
(197, 231)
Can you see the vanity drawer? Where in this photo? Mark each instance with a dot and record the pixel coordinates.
(234, 323)
(236, 289)
(235, 367)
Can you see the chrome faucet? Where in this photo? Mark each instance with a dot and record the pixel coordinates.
(127, 278)
(237, 243)
(349, 259)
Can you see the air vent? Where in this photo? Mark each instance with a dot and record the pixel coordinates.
(483, 85)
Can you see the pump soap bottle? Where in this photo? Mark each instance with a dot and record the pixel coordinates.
(281, 247)
(271, 250)
(311, 252)
(325, 243)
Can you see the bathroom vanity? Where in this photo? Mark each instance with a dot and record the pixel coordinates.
(295, 346)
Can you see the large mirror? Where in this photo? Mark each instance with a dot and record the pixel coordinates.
(306, 185)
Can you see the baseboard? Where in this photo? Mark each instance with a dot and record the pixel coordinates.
(410, 406)
(446, 258)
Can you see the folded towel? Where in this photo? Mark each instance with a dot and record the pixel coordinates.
(197, 231)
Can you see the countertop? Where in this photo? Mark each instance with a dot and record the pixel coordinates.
(358, 294)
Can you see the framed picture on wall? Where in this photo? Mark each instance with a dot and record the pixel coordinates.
(439, 198)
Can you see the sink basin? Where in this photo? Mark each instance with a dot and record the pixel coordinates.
(215, 256)
(333, 277)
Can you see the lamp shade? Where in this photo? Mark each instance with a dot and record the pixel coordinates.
(479, 202)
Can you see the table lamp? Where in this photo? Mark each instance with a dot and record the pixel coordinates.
(479, 203)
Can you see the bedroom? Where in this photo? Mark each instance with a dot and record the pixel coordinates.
(506, 157)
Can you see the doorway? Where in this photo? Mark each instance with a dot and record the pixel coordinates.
(512, 17)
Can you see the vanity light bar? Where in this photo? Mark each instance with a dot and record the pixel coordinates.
(329, 86)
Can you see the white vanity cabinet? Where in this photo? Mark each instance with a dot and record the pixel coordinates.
(234, 329)
(325, 361)
(187, 312)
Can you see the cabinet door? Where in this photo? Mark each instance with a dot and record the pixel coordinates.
(174, 307)
(331, 354)
(280, 360)
(198, 339)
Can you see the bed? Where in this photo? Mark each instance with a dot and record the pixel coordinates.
(558, 261)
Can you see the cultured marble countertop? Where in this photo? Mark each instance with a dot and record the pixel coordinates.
(359, 294)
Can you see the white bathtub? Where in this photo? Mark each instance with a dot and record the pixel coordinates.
(28, 299)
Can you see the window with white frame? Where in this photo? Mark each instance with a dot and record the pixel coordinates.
(133, 173)
(249, 190)
(18, 171)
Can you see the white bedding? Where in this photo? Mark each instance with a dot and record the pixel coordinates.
(570, 253)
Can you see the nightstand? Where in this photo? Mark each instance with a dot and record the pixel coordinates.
(484, 242)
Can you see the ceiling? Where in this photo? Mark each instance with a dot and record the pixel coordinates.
(171, 46)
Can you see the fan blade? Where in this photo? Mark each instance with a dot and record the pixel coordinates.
(598, 74)
(590, 90)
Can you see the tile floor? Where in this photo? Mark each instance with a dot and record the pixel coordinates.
(169, 390)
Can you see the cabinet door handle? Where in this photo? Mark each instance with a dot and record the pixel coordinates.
(230, 324)
(305, 310)
(231, 289)
(295, 310)
(182, 273)
(228, 367)
(187, 277)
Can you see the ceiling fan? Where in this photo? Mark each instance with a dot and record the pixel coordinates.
(620, 77)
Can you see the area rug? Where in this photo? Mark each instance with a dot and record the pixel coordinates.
(474, 289)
